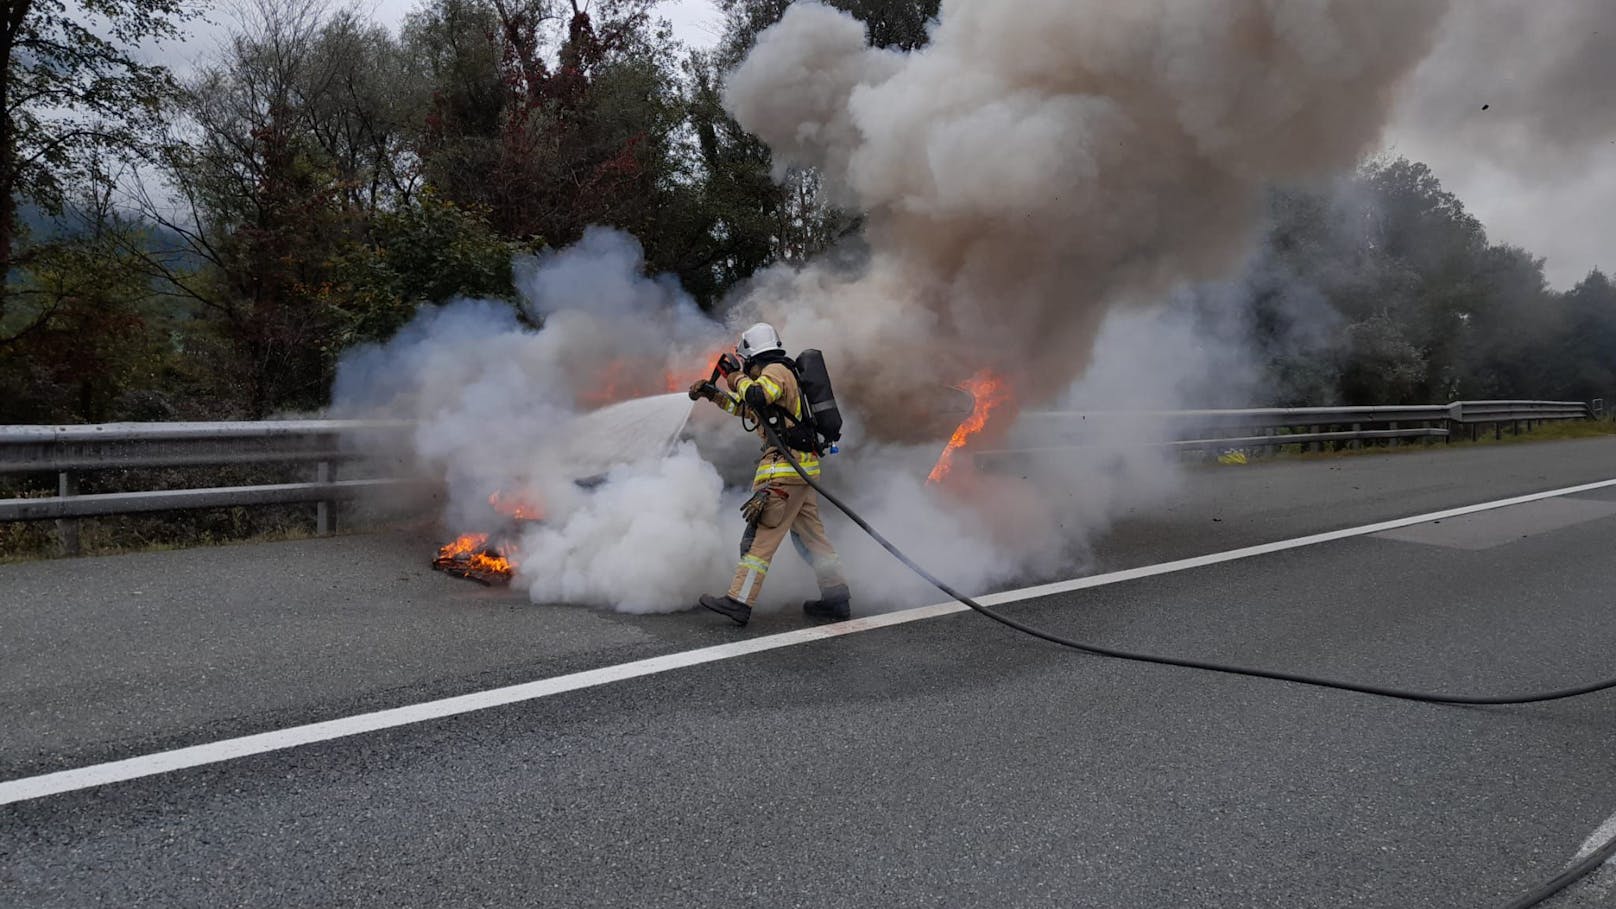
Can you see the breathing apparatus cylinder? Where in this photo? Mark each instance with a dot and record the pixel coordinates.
(820, 412)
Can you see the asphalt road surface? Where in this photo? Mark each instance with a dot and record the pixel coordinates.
(943, 761)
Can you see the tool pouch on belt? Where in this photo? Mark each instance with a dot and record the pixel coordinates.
(756, 510)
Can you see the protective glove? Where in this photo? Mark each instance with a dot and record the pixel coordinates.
(728, 364)
(701, 388)
(752, 510)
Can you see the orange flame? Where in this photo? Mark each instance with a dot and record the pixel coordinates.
(987, 392)
(470, 552)
(491, 563)
(465, 545)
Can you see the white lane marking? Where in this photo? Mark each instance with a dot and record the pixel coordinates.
(1604, 834)
(214, 752)
(1597, 882)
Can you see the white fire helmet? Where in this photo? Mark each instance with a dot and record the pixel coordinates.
(759, 339)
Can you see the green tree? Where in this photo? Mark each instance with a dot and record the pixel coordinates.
(1382, 365)
(357, 107)
(1429, 252)
(1585, 357)
(1358, 280)
(72, 89)
(1512, 329)
(95, 345)
(263, 208)
(428, 251)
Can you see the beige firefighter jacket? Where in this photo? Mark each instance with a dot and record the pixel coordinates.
(780, 387)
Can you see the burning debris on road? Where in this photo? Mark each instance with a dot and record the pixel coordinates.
(474, 558)
(486, 558)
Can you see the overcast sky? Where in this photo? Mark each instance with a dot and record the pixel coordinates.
(1563, 209)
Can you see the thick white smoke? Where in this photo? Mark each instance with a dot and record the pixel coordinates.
(650, 539)
(504, 407)
(1039, 166)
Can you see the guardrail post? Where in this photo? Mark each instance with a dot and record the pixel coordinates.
(1355, 444)
(322, 509)
(67, 529)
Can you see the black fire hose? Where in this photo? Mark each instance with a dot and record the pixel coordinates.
(1534, 898)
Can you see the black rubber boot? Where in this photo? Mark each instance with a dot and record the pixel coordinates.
(837, 606)
(738, 612)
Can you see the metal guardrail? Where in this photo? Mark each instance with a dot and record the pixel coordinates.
(1508, 411)
(1228, 443)
(1315, 427)
(70, 450)
(112, 503)
(1264, 417)
(101, 446)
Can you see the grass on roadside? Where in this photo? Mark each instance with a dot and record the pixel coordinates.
(1549, 432)
(36, 540)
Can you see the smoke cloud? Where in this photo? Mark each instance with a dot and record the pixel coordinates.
(1038, 181)
(501, 406)
(648, 540)
(1041, 162)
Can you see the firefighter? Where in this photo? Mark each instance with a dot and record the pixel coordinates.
(759, 379)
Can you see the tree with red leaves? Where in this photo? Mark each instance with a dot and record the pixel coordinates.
(561, 116)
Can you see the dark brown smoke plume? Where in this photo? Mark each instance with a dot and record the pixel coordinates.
(1042, 161)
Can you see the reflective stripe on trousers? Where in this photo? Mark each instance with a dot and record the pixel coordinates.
(795, 515)
(752, 570)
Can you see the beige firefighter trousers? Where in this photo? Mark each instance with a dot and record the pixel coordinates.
(792, 509)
